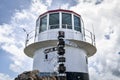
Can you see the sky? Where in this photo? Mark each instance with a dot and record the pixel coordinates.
(103, 15)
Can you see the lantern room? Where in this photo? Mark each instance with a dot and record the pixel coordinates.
(50, 22)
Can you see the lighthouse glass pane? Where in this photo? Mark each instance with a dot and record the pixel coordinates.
(43, 23)
(77, 23)
(54, 20)
(66, 21)
(37, 26)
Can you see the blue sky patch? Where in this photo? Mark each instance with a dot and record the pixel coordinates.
(8, 7)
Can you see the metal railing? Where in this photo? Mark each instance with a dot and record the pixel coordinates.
(32, 36)
(89, 37)
(66, 26)
(55, 26)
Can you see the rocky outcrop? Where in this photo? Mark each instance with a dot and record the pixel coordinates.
(33, 75)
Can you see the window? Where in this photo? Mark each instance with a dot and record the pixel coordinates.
(38, 22)
(77, 23)
(86, 60)
(66, 21)
(54, 20)
(43, 23)
(37, 26)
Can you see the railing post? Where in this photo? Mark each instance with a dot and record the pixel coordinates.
(91, 38)
(94, 41)
(66, 26)
(26, 42)
(84, 33)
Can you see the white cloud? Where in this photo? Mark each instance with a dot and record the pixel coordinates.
(12, 36)
(5, 33)
(65, 6)
(104, 17)
(37, 7)
(5, 77)
(49, 2)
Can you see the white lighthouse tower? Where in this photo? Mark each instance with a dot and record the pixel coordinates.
(66, 28)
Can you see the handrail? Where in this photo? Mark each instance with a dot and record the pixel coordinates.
(91, 36)
(30, 36)
(88, 36)
(54, 26)
(66, 26)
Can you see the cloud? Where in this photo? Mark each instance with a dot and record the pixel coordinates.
(47, 2)
(5, 77)
(65, 6)
(55, 4)
(12, 36)
(5, 35)
(104, 65)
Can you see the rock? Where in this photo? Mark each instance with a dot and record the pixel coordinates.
(33, 75)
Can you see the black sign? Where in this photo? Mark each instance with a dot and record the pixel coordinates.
(50, 50)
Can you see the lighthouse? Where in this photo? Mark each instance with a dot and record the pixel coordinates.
(61, 45)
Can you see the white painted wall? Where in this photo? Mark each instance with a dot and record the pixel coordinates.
(53, 33)
(75, 60)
